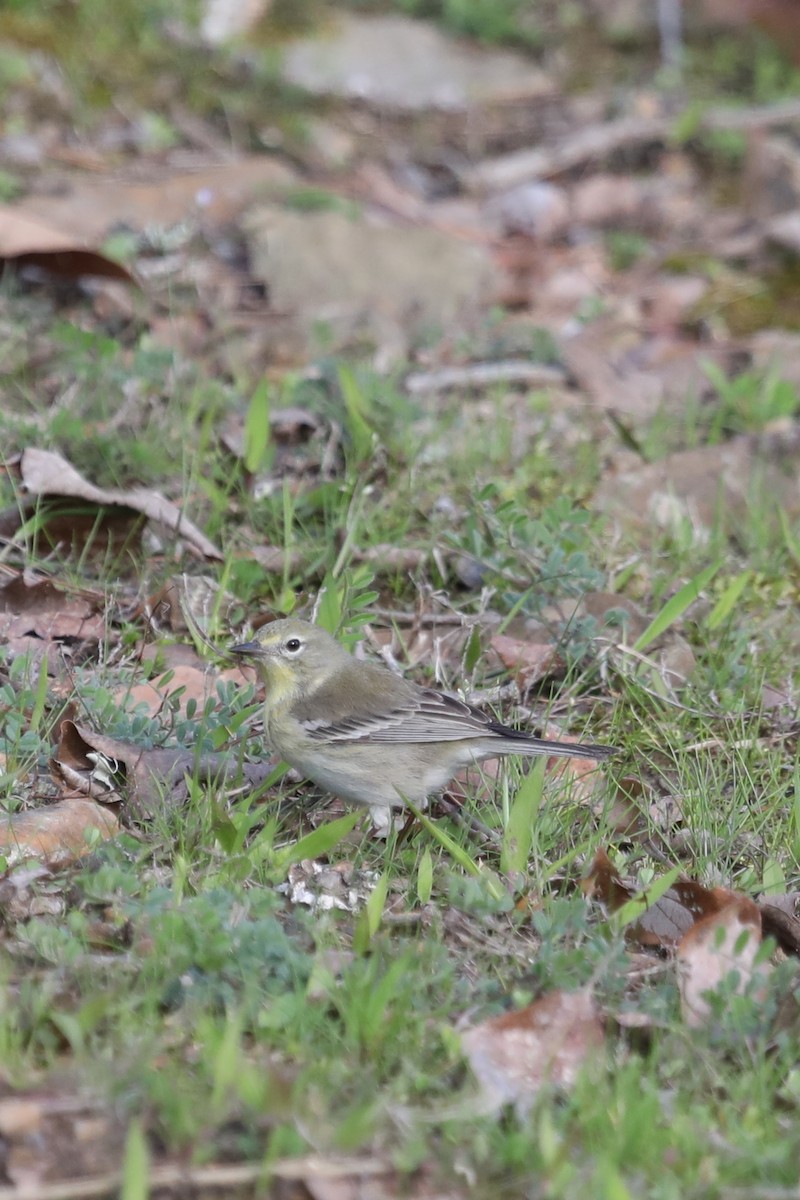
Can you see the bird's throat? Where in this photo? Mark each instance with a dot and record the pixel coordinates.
(281, 683)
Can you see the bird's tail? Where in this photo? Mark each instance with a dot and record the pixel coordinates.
(531, 745)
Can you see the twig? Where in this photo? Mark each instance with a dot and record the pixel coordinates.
(597, 142)
(220, 1176)
(457, 812)
(481, 375)
(742, 744)
(670, 29)
(586, 145)
(198, 634)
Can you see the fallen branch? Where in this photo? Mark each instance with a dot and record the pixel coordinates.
(482, 375)
(221, 1177)
(597, 142)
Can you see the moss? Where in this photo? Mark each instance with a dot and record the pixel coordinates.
(749, 303)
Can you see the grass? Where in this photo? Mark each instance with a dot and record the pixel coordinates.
(175, 978)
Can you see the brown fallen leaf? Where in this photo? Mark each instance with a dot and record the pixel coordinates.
(185, 598)
(29, 242)
(779, 920)
(196, 683)
(56, 835)
(39, 618)
(30, 890)
(665, 922)
(38, 1124)
(146, 781)
(171, 654)
(392, 558)
(213, 195)
(581, 776)
(289, 425)
(720, 948)
(320, 1177)
(603, 883)
(78, 529)
(529, 662)
(625, 818)
(548, 1042)
(44, 473)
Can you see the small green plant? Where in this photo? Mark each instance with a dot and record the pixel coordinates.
(490, 20)
(311, 199)
(11, 186)
(749, 402)
(258, 451)
(625, 248)
(518, 832)
(676, 606)
(369, 921)
(135, 1165)
(555, 548)
(345, 601)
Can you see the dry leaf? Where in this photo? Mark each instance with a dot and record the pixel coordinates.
(528, 662)
(324, 886)
(184, 598)
(317, 1177)
(779, 920)
(665, 922)
(720, 947)
(213, 195)
(38, 618)
(586, 783)
(29, 242)
(548, 1042)
(108, 534)
(625, 818)
(56, 835)
(392, 558)
(148, 781)
(44, 473)
(56, 1139)
(29, 890)
(223, 20)
(195, 683)
(603, 883)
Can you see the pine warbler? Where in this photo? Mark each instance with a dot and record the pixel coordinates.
(367, 735)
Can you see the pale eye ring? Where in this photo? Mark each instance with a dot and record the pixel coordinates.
(293, 645)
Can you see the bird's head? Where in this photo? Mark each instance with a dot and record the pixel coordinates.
(292, 656)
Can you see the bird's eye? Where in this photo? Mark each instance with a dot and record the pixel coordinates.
(293, 645)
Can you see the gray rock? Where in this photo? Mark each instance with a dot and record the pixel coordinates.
(709, 483)
(384, 284)
(398, 64)
(784, 231)
(538, 209)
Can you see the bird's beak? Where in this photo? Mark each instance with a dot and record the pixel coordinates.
(252, 648)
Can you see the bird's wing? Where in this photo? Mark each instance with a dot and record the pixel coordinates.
(427, 717)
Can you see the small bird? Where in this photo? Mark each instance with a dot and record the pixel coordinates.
(366, 734)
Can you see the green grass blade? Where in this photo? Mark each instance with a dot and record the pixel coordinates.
(518, 836)
(319, 841)
(135, 1165)
(456, 852)
(41, 697)
(676, 606)
(728, 600)
(369, 921)
(425, 877)
(629, 913)
(256, 429)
